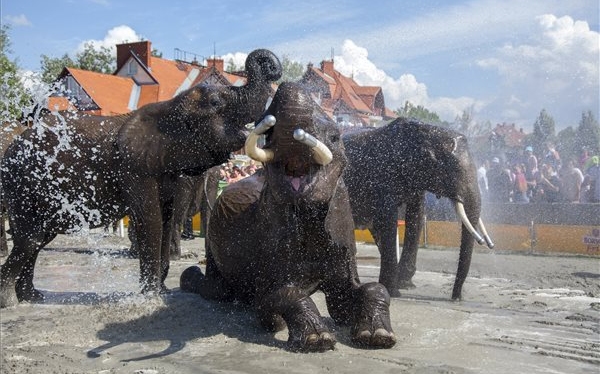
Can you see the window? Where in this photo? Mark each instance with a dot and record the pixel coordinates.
(132, 68)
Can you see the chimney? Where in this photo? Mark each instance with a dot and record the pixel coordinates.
(327, 67)
(218, 63)
(141, 49)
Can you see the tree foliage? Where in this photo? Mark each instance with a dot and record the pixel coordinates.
(418, 112)
(13, 96)
(292, 70)
(588, 133)
(100, 60)
(543, 130)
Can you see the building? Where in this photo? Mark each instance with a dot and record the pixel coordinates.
(346, 102)
(139, 79)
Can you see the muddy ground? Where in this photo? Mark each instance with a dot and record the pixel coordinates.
(521, 313)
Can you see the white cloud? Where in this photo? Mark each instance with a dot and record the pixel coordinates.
(238, 58)
(116, 35)
(557, 69)
(354, 62)
(20, 20)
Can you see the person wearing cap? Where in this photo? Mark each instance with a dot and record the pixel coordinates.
(591, 182)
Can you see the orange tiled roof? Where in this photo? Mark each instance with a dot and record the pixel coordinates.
(59, 103)
(170, 75)
(362, 100)
(513, 137)
(111, 93)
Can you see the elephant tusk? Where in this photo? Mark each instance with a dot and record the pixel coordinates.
(460, 211)
(251, 146)
(487, 238)
(322, 154)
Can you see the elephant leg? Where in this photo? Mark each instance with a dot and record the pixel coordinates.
(168, 230)
(211, 287)
(307, 331)
(24, 283)
(407, 266)
(18, 270)
(464, 262)
(3, 242)
(385, 234)
(371, 326)
(148, 237)
(175, 245)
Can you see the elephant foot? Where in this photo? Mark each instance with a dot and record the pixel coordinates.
(373, 327)
(175, 256)
(30, 295)
(405, 284)
(380, 338)
(8, 297)
(313, 342)
(154, 288)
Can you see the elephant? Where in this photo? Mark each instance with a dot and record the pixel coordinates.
(278, 236)
(396, 164)
(88, 171)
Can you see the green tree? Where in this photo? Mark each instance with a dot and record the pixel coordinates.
(292, 70)
(543, 131)
(588, 134)
(99, 60)
(13, 96)
(231, 67)
(418, 112)
(566, 143)
(156, 53)
(51, 67)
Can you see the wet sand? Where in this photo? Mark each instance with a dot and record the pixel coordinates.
(521, 313)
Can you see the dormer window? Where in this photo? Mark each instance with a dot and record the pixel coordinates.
(132, 68)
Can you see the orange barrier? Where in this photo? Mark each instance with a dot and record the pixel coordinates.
(538, 237)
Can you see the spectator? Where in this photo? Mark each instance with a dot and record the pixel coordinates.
(235, 174)
(482, 180)
(549, 185)
(251, 168)
(552, 157)
(520, 185)
(583, 159)
(499, 182)
(571, 179)
(531, 171)
(591, 181)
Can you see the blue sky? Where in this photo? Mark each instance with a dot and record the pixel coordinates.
(504, 60)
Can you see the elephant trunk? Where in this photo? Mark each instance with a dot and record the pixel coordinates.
(262, 68)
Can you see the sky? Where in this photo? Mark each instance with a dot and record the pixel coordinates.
(501, 60)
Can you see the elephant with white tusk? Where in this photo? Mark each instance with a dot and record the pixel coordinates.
(396, 164)
(89, 171)
(280, 235)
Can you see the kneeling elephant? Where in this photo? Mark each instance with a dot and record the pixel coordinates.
(286, 232)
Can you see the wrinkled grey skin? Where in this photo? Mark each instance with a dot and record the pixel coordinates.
(194, 194)
(395, 165)
(3, 243)
(111, 166)
(272, 246)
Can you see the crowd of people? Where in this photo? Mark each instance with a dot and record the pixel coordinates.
(231, 173)
(540, 178)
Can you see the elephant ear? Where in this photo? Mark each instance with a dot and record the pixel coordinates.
(338, 222)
